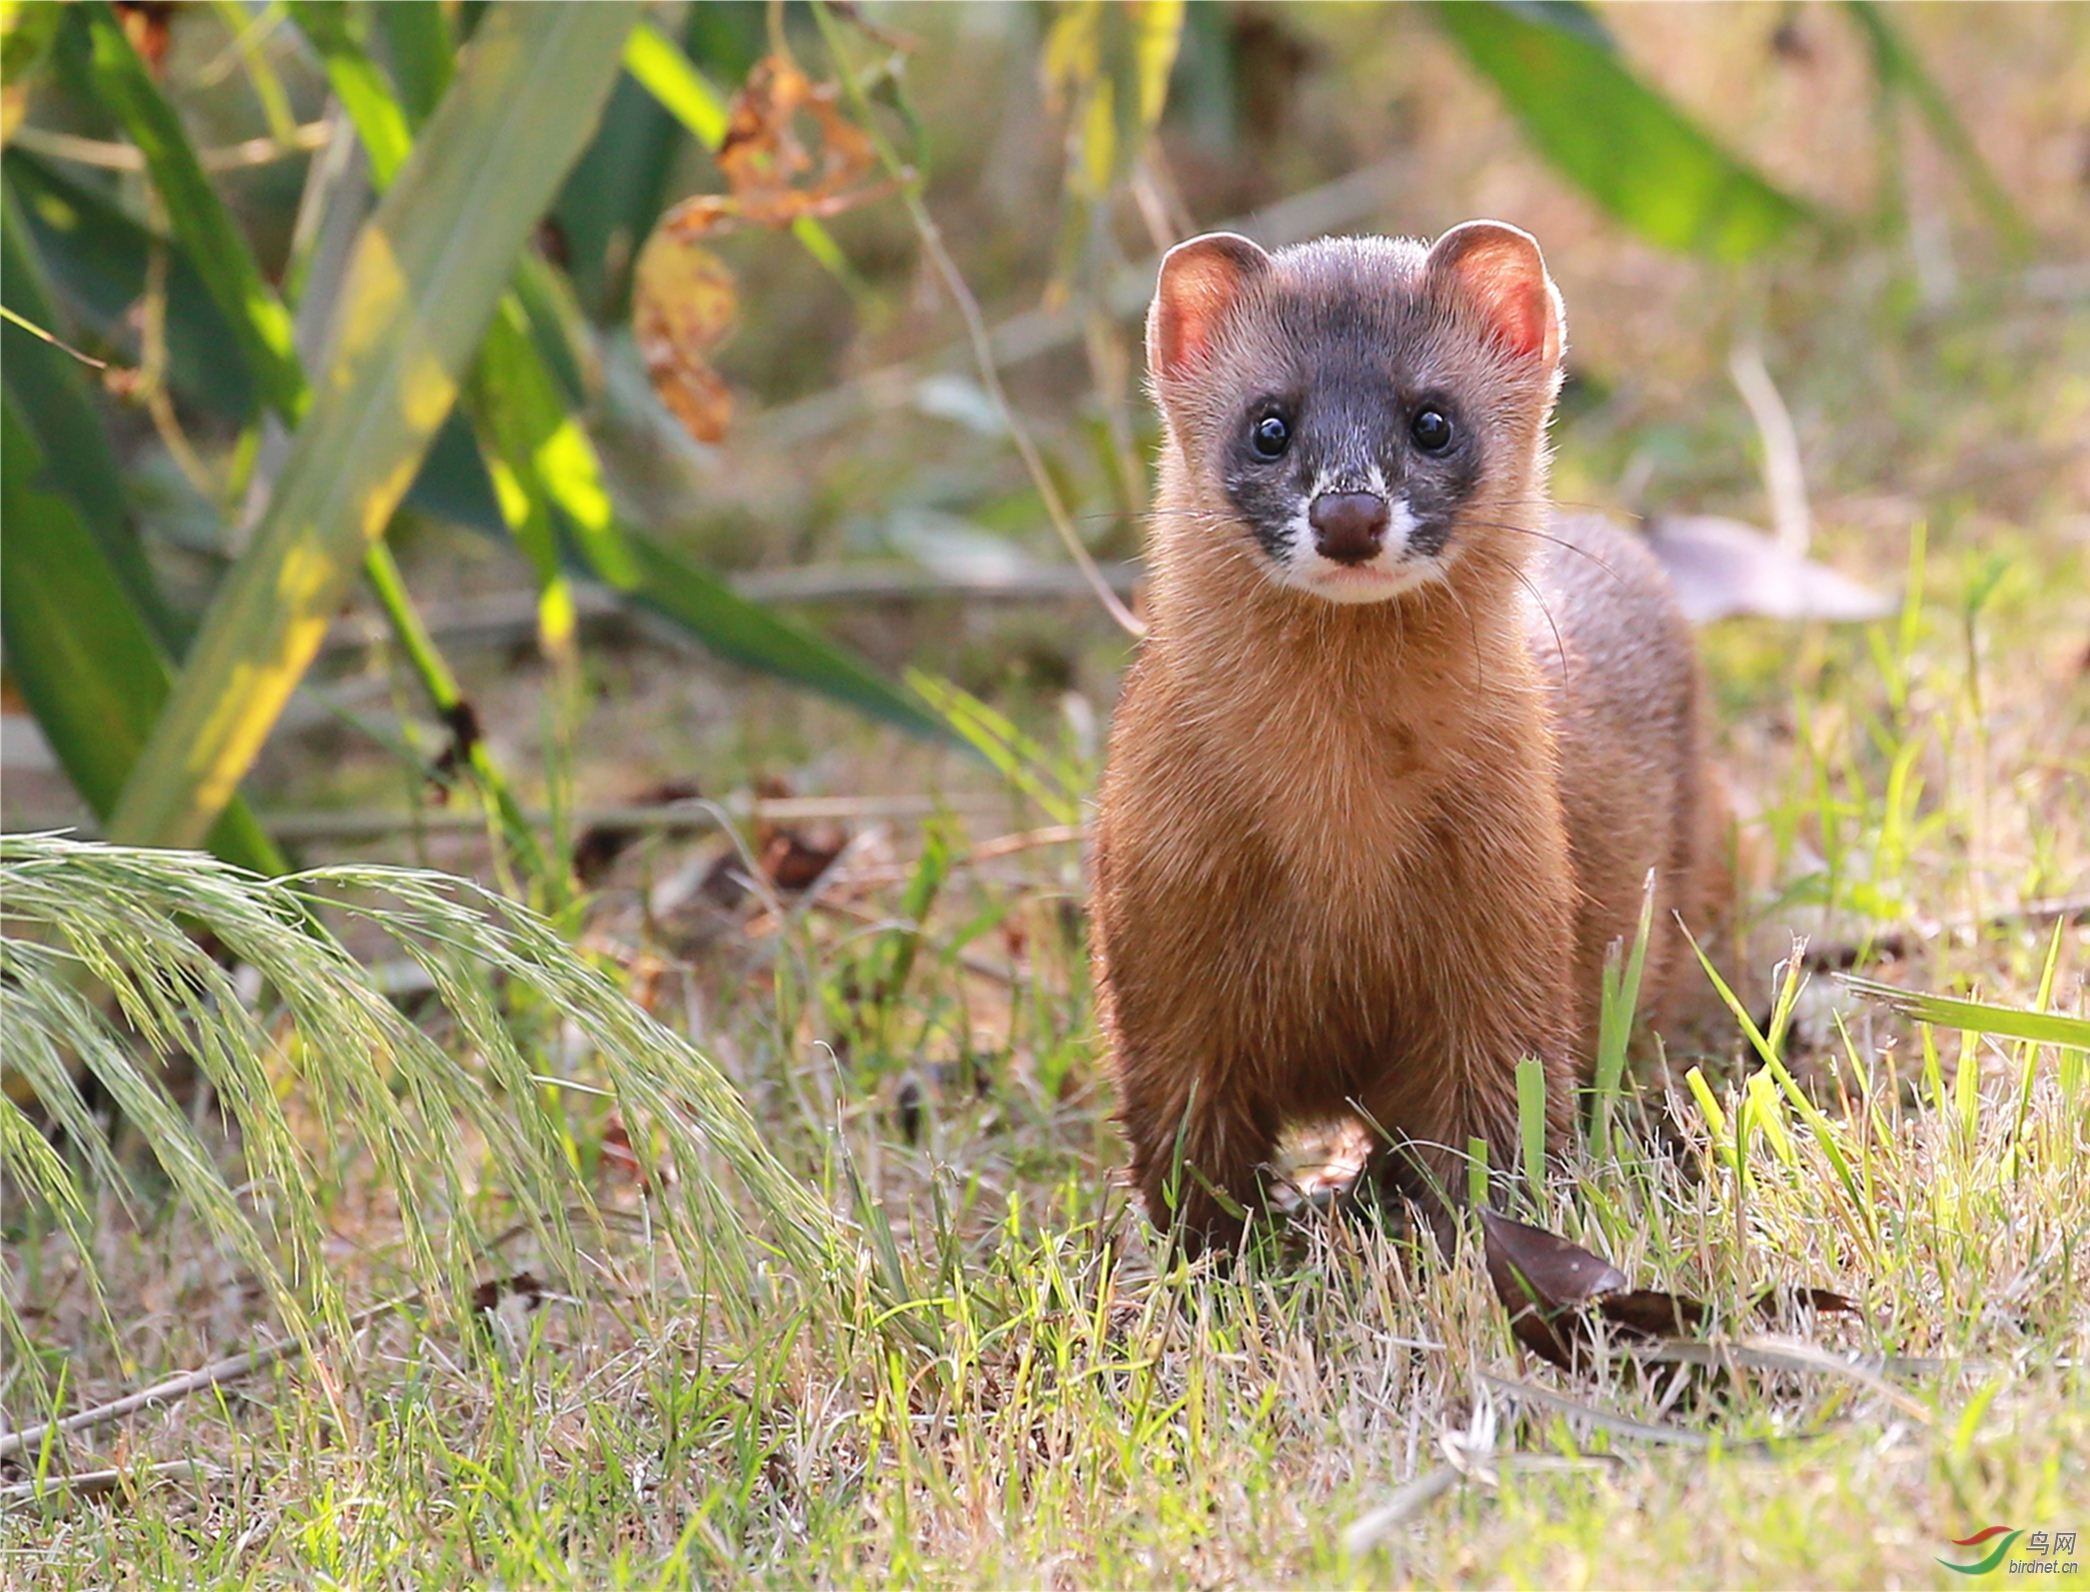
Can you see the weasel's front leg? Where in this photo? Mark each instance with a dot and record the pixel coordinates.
(1457, 1083)
(1226, 1135)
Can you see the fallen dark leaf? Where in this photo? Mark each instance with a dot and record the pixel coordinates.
(1557, 1294)
(789, 862)
(792, 862)
(1545, 1283)
(621, 1157)
(725, 882)
(1775, 1303)
(907, 1106)
(1653, 1313)
(461, 719)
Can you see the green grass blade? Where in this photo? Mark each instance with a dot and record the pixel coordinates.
(1618, 140)
(1531, 1127)
(660, 67)
(1623, 967)
(380, 121)
(747, 633)
(416, 39)
(89, 667)
(428, 270)
(1976, 1017)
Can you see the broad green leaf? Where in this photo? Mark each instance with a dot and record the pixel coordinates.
(1618, 140)
(84, 660)
(1110, 63)
(543, 456)
(55, 405)
(196, 214)
(1977, 1017)
(427, 271)
(1106, 65)
(748, 633)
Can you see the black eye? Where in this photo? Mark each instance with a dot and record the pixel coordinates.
(1431, 430)
(1271, 436)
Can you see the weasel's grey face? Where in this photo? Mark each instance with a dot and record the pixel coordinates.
(1351, 477)
(1370, 410)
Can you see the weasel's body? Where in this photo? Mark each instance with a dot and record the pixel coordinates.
(1363, 852)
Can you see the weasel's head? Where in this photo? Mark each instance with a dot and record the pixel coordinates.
(1363, 411)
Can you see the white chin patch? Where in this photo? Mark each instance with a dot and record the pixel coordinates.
(1390, 572)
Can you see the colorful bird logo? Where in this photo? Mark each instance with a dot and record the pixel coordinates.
(1982, 1567)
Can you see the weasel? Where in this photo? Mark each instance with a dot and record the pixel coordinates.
(1400, 748)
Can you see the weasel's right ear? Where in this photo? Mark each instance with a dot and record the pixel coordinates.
(1200, 282)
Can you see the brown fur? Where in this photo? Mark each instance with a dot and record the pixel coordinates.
(1365, 858)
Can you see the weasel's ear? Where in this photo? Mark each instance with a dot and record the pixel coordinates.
(1200, 282)
(1500, 269)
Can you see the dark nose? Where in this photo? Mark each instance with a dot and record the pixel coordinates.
(1348, 526)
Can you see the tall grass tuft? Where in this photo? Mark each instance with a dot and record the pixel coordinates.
(310, 1061)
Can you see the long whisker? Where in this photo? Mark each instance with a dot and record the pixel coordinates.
(1557, 541)
(1559, 646)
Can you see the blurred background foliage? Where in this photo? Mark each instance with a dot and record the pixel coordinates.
(342, 336)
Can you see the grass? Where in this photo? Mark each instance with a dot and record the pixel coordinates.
(974, 1364)
(1066, 1403)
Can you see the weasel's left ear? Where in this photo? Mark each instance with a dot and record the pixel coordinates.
(1200, 282)
(1500, 268)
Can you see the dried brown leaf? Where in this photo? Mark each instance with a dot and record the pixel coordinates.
(788, 153)
(683, 307)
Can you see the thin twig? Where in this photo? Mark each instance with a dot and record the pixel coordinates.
(89, 1483)
(176, 1388)
(987, 851)
(58, 343)
(1785, 482)
(973, 963)
(1841, 955)
(1770, 1355)
(1373, 1527)
(658, 817)
(111, 156)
